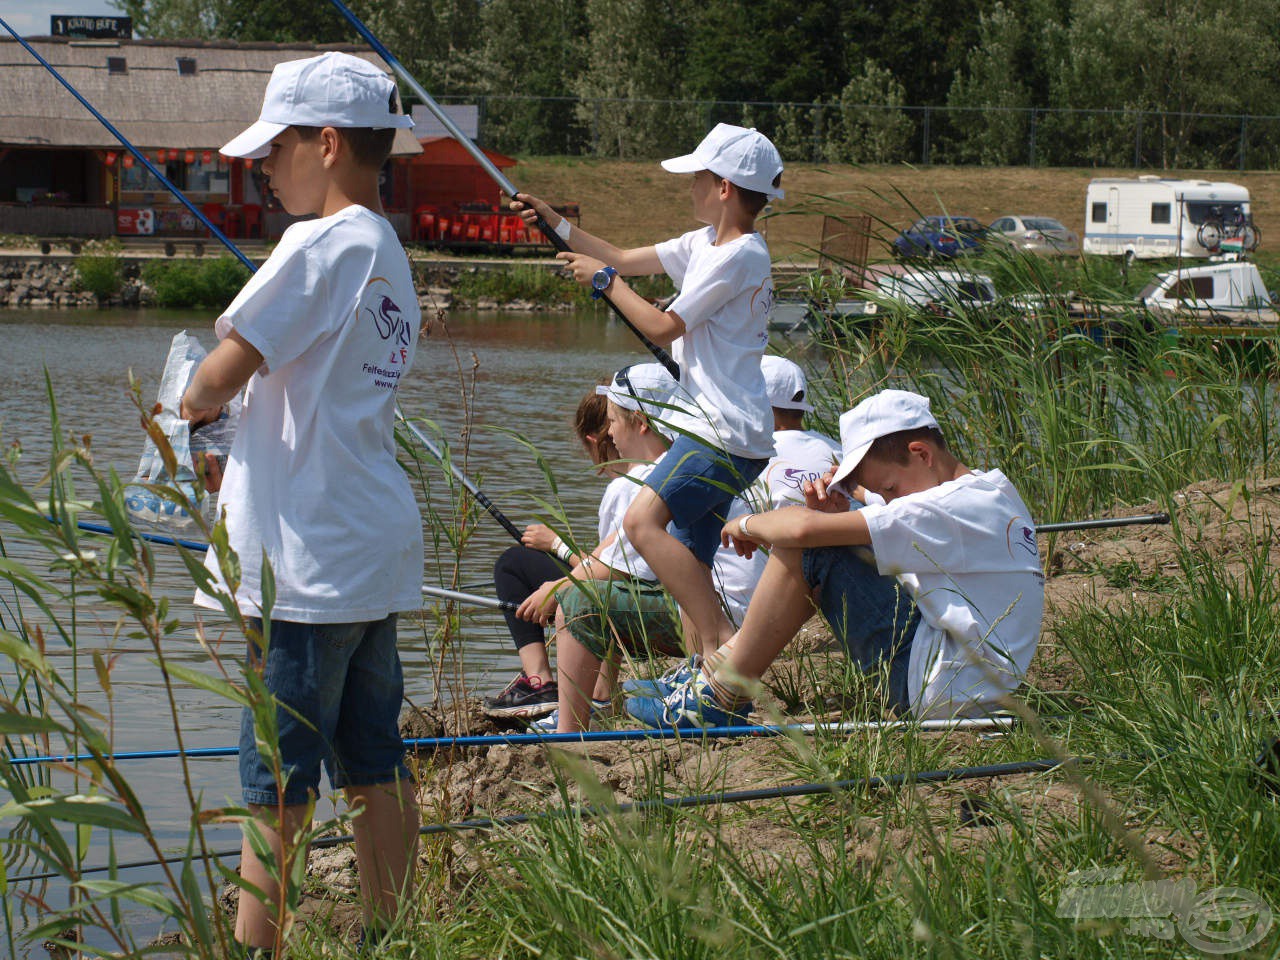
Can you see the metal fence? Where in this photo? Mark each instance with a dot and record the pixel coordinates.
(870, 133)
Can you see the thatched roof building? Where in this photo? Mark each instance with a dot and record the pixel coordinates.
(175, 94)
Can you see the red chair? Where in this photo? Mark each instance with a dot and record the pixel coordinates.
(424, 223)
(252, 220)
(216, 213)
(235, 220)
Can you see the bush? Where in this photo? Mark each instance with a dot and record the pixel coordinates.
(101, 274)
(195, 283)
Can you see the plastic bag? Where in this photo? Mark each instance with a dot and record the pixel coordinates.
(147, 510)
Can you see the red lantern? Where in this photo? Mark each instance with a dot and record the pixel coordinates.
(110, 158)
(207, 157)
(190, 156)
(248, 164)
(128, 160)
(162, 155)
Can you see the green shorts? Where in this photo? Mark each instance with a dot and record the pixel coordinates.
(638, 616)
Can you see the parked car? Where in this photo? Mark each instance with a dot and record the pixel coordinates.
(1035, 234)
(939, 236)
(937, 290)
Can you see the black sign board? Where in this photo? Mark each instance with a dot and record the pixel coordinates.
(91, 28)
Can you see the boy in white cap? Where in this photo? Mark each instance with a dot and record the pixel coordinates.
(717, 328)
(950, 609)
(322, 335)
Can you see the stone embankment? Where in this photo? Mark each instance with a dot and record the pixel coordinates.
(51, 281)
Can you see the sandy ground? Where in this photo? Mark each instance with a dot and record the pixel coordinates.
(1086, 568)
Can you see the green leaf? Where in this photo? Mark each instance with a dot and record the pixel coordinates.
(203, 681)
(76, 809)
(22, 724)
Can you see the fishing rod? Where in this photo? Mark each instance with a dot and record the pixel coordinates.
(494, 173)
(141, 157)
(999, 722)
(149, 537)
(462, 478)
(1147, 518)
(470, 598)
(585, 812)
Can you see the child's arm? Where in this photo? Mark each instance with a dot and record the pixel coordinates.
(632, 262)
(661, 326)
(219, 378)
(796, 527)
(540, 605)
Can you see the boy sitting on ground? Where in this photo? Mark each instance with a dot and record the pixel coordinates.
(950, 603)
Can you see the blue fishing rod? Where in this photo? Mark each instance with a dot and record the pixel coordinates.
(124, 142)
(489, 168)
(998, 722)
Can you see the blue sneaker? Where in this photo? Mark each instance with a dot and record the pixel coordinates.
(662, 686)
(690, 707)
(549, 723)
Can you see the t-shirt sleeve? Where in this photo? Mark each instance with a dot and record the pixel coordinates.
(675, 254)
(276, 311)
(717, 280)
(913, 536)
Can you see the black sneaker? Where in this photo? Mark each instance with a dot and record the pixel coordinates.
(525, 698)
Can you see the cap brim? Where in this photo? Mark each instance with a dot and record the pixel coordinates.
(254, 143)
(686, 164)
(847, 466)
(792, 405)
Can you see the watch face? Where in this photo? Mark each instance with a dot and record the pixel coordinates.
(601, 279)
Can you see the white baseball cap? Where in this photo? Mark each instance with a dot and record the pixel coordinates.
(331, 90)
(889, 411)
(784, 383)
(647, 387)
(746, 158)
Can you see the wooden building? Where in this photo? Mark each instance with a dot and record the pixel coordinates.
(62, 173)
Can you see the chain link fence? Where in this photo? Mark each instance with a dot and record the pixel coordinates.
(644, 129)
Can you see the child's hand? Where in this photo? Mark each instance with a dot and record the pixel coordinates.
(198, 418)
(732, 535)
(531, 208)
(209, 469)
(818, 497)
(538, 536)
(540, 606)
(581, 266)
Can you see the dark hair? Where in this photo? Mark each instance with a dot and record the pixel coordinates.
(892, 447)
(369, 147)
(753, 200)
(591, 424)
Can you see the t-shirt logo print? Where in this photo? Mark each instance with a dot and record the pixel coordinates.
(387, 318)
(1019, 534)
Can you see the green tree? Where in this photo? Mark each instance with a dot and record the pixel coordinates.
(634, 57)
(872, 126)
(991, 96)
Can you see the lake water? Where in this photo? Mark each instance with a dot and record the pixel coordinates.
(482, 374)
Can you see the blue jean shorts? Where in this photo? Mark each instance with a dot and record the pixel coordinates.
(343, 684)
(873, 616)
(697, 483)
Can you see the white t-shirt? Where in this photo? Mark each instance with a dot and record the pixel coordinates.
(726, 293)
(620, 555)
(966, 550)
(312, 477)
(801, 455)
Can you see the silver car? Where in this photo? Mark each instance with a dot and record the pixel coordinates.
(1035, 234)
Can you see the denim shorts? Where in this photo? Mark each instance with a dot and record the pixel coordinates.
(697, 483)
(638, 616)
(873, 616)
(343, 685)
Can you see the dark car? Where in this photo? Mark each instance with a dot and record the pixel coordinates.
(939, 237)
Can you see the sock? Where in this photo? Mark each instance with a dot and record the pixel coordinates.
(731, 690)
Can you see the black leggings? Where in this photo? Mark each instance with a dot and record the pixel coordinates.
(519, 572)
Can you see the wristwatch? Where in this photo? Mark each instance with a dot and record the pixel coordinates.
(600, 281)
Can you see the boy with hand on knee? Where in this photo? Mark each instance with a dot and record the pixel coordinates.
(717, 328)
(322, 336)
(941, 583)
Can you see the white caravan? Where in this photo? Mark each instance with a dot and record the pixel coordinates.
(1220, 288)
(1150, 218)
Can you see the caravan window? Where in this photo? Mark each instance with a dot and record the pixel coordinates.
(1161, 213)
(1193, 288)
(1099, 213)
(1198, 211)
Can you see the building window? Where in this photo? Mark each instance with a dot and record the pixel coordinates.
(1099, 214)
(1161, 213)
(117, 65)
(186, 66)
